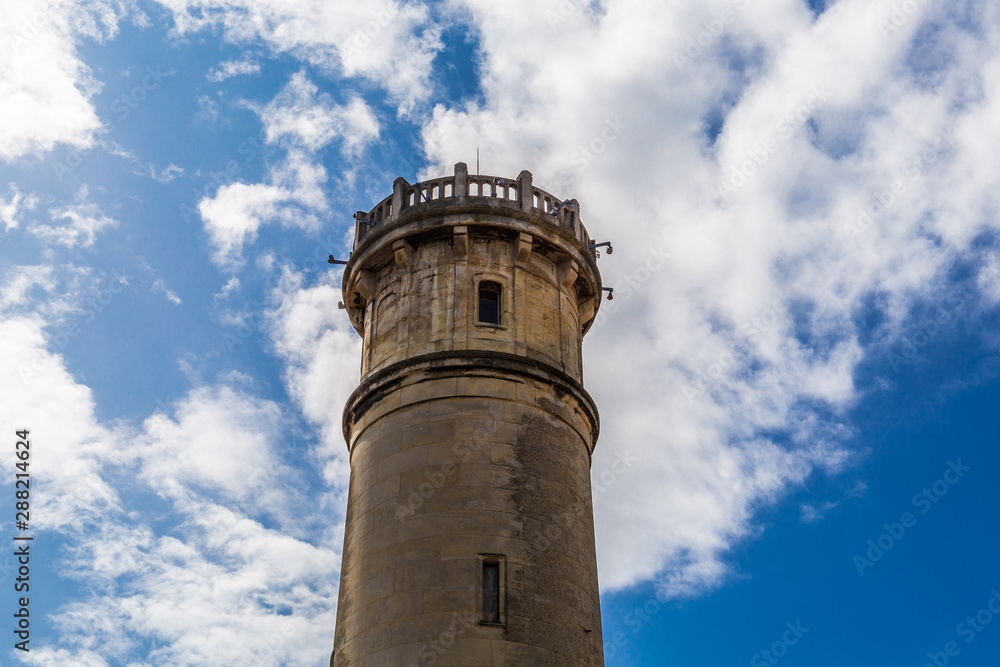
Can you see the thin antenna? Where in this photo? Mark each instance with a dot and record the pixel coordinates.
(477, 162)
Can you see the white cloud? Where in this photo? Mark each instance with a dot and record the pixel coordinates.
(313, 336)
(48, 657)
(294, 197)
(261, 596)
(221, 440)
(231, 286)
(85, 220)
(989, 278)
(208, 108)
(160, 285)
(312, 120)
(263, 593)
(230, 68)
(10, 210)
(233, 216)
(749, 325)
(169, 173)
(20, 280)
(45, 86)
(813, 512)
(76, 447)
(388, 42)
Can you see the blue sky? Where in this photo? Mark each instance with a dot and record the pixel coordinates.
(800, 368)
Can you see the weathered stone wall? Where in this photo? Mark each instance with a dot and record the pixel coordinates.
(446, 466)
(430, 305)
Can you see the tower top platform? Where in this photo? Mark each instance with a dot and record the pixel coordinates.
(426, 210)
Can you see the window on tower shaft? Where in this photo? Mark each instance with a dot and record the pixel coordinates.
(491, 592)
(490, 589)
(489, 302)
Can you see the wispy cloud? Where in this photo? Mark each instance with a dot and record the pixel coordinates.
(84, 220)
(160, 285)
(304, 121)
(389, 42)
(12, 209)
(230, 68)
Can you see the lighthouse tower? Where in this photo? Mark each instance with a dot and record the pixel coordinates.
(469, 534)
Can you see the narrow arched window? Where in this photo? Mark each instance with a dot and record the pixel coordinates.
(489, 302)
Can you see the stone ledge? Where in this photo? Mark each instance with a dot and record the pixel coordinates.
(460, 363)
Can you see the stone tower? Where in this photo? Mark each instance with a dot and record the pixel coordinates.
(470, 534)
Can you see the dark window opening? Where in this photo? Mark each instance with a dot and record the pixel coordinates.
(491, 592)
(489, 303)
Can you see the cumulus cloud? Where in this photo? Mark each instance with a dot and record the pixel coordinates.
(305, 118)
(780, 170)
(293, 199)
(312, 336)
(265, 593)
(221, 440)
(45, 86)
(263, 597)
(71, 491)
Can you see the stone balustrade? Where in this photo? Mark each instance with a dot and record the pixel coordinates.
(472, 190)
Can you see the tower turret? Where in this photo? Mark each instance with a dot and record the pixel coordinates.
(469, 537)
